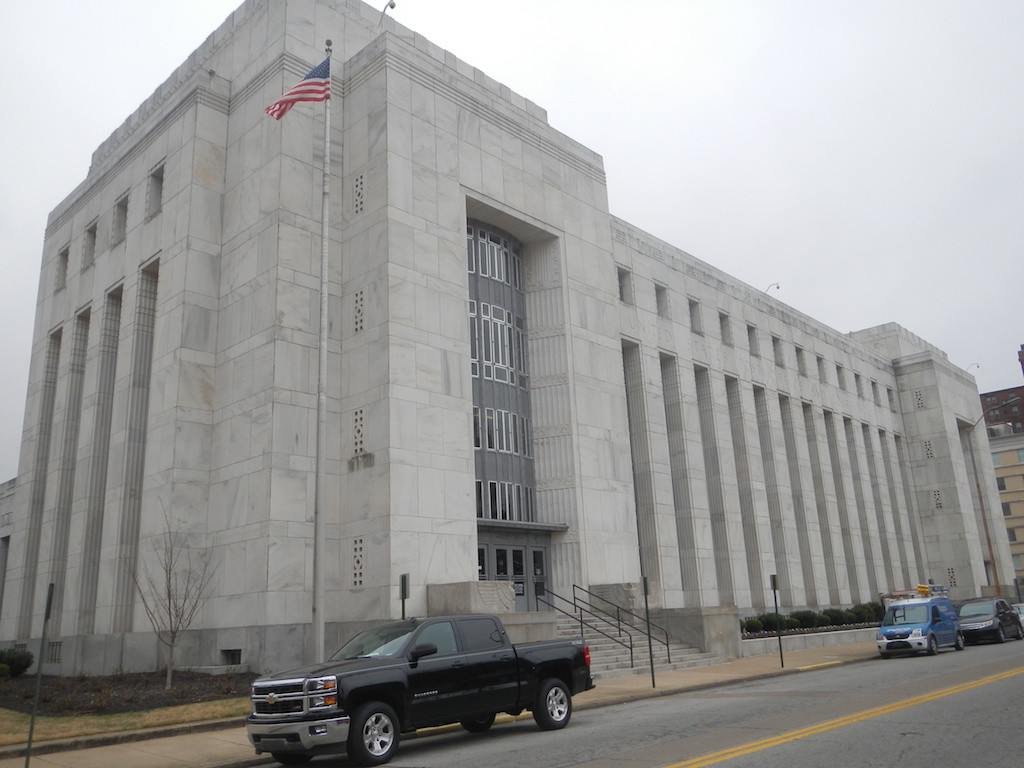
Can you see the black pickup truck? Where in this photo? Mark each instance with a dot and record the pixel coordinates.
(413, 674)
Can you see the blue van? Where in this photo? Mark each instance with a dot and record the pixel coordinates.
(915, 624)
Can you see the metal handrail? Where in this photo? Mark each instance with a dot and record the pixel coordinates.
(587, 624)
(619, 621)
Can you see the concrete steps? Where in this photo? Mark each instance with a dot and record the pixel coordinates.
(609, 658)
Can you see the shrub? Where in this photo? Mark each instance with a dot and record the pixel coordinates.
(821, 620)
(16, 660)
(5, 672)
(864, 613)
(869, 613)
(770, 621)
(753, 626)
(790, 623)
(806, 619)
(839, 616)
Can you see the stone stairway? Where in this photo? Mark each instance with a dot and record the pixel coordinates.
(611, 659)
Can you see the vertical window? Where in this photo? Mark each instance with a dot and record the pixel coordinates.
(752, 341)
(859, 384)
(5, 546)
(801, 363)
(840, 377)
(725, 327)
(780, 359)
(120, 223)
(661, 300)
(822, 375)
(696, 320)
(89, 246)
(1001, 483)
(625, 285)
(474, 341)
(892, 398)
(61, 278)
(155, 192)
(1007, 510)
(874, 393)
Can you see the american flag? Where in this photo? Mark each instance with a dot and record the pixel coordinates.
(316, 86)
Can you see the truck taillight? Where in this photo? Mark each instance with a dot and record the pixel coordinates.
(586, 655)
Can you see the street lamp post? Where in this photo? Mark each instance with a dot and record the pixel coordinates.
(981, 502)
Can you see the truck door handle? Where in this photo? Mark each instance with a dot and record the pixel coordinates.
(459, 663)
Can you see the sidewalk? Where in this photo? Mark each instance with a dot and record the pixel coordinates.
(224, 744)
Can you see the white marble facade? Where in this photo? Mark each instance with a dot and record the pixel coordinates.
(756, 440)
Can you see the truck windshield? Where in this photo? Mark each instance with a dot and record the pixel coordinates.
(905, 614)
(381, 641)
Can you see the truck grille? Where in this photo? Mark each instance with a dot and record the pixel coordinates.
(278, 697)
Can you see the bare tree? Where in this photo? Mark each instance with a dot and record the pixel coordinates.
(175, 588)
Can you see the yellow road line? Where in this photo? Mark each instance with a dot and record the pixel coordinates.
(756, 746)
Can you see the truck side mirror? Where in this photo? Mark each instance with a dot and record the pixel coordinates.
(421, 650)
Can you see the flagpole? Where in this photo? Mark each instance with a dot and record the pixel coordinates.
(320, 501)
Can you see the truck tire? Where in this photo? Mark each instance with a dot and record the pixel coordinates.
(478, 724)
(933, 645)
(1001, 634)
(291, 758)
(959, 641)
(373, 734)
(553, 706)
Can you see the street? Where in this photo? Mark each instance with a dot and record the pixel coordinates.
(954, 709)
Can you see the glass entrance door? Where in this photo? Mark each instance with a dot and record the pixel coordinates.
(510, 565)
(524, 566)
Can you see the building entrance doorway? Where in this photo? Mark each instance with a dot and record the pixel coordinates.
(524, 566)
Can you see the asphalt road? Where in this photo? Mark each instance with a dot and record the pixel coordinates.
(955, 709)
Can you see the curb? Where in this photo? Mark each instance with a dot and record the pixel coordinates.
(119, 737)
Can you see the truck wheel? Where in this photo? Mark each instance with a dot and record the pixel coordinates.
(959, 645)
(478, 724)
(373, 734)
(933, 645)
(1001, 635)
(553, 706)
(291, 758)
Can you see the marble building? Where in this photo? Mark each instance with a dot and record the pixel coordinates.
(525, 393)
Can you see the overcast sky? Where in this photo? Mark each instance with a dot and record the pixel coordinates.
(864, 155)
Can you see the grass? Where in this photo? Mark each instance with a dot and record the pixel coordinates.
(14, 725)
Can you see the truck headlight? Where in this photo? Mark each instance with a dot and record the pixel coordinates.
(316, 684)
(879, 635)
(323, 692)
(916, 632)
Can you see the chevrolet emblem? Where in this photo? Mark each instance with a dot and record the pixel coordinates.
(271, 698)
